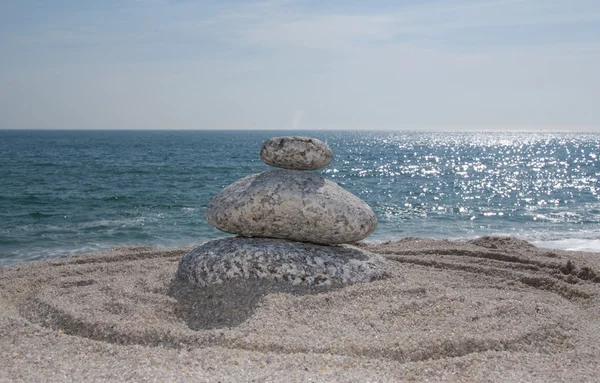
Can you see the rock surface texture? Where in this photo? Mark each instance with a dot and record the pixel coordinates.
(294, 205)
(285, 219)
(296, 153)
(279, 260)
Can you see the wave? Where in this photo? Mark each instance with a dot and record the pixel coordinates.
(575, 244)
(37, 214)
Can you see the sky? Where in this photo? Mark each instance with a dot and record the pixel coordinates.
(499, 65)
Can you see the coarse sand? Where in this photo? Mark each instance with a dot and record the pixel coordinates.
(493, 309)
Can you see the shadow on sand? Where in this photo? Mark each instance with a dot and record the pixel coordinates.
(230, 303)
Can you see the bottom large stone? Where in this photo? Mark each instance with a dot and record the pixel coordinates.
(279, 260)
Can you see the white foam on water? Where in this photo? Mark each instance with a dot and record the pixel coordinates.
(574, 244)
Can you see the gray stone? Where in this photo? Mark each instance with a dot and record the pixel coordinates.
(296, 152)
(291, 204)
(279, 260)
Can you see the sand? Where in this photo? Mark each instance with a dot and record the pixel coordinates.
(491, 310)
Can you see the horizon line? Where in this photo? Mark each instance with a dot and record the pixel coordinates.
(441, 130)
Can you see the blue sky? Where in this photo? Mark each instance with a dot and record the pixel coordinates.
(283, 64)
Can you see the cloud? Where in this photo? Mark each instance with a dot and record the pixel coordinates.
(293, 64)
(426, 22)
(323, 32)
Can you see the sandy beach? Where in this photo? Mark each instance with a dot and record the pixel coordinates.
(489, 310)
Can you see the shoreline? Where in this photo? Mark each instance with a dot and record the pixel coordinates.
(489, 309)
(564, 244)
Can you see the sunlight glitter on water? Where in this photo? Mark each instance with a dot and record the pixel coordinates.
(78, 190)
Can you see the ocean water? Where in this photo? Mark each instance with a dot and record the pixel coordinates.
(64, 192)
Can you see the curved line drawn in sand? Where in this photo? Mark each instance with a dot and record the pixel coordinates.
(442, 300)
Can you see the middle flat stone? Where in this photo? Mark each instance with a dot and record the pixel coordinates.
(291, 204)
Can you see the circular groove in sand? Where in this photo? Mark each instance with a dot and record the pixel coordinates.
(430, 313)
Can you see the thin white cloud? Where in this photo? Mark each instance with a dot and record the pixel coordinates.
(323, 32)
(281, 64)
(326, 31)
(285, 23)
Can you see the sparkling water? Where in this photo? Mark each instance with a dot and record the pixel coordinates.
(63, 192)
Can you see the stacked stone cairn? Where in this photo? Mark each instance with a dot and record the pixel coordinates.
(290, 223)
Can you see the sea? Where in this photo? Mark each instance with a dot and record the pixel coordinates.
(68, 192)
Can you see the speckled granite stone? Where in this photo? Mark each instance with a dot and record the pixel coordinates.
(296, 152)
(279, 260)
(291, 204)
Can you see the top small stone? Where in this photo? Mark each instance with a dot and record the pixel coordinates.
(296, 153)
